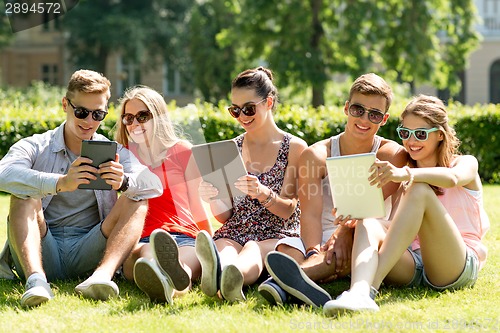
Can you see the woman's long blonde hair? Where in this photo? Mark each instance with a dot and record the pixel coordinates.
(164, 131)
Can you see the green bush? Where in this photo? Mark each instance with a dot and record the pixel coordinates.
(35, 110)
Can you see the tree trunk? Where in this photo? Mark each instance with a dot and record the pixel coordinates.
(318, 95)
(102, 58)
(319, 77)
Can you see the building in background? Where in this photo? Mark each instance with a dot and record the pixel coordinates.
(481, 79)
(40, 54)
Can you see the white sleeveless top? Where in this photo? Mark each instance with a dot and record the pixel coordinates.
(326, 216)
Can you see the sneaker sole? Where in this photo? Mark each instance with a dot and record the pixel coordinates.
(231, 284)
(208, 261)
(148, 281)
(334, 310)
(97, 291)
(292, 279)
(34, 300)
(166, 254)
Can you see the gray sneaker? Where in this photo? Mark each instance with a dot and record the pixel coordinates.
(231, 284)
(349, 302)
(97, 289)
(37, 292)
(166, 254)
(207, 254)
(150, 280)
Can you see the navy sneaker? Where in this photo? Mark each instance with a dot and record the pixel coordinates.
(208, 255)
(272, 292)
(288, 274)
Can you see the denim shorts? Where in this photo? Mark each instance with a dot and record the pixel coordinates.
(180, 239)
(466, 279)
(70, 252)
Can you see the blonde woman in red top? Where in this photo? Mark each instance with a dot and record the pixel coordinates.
(164, 260)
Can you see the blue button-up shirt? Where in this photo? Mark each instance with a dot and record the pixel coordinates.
(33, 166)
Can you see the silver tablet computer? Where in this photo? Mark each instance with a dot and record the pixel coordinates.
(220, 164)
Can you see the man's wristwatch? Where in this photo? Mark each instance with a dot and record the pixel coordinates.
(124, 186)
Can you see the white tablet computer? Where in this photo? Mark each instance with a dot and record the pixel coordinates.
(220, 164)
(351, 191)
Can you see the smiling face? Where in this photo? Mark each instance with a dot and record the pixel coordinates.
(362, 127)
(139, 132)
(76, 129)
(243, 97)
(425, 153)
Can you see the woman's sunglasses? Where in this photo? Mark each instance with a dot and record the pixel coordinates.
(374, 115)
(248, 109)
(82, 113)
(421, 134)
(141, 116)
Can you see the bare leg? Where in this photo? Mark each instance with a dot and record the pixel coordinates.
(368, 236)
(443, 249)
(122, 227)
(251, 259)
(140, 250)
(297, 255)
(315, 266)
(26, 229)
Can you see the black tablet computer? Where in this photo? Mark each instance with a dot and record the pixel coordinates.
(99, 152)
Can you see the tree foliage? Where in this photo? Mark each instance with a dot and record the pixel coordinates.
(139, 30)
(306, 41)
(213, 62)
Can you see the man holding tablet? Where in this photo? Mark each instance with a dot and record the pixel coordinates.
(324, 249)
(57, 230)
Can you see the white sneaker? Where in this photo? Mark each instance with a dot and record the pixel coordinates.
(37, 292)
(231, 284)
(97, 289)
(150, 280)
(349, 301)
(207, 254)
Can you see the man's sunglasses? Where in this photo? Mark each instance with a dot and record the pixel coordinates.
(82, 113)
(248, 109)
(421, 134)
(374, 115)
(141, 116)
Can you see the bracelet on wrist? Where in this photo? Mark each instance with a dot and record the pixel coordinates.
(271, 201)
(407, 184)
(268, 199)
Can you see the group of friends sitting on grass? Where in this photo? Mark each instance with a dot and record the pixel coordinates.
(283, 232)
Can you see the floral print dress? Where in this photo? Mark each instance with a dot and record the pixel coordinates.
(250, 220)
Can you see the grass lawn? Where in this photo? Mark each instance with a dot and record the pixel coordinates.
(407, 310)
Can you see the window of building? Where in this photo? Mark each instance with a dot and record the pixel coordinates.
(172, 81)
(491, 14)
(50, 74)
(51, 22)
(495, 82)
